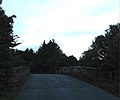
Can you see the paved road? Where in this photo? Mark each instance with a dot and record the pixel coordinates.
(60, 87)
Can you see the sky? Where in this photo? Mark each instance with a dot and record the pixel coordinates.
(73, 24)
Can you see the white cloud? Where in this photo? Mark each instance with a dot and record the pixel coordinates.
(70, 45)
(55, 18)
(69, 17)
(76, 45)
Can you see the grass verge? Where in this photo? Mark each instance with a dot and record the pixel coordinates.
(13, 91)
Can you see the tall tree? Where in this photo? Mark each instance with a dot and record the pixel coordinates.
(72, 60)
(112, 47)
(17, 58)
(104, 50)
(7, 42)
(89, 58)
(47, 57)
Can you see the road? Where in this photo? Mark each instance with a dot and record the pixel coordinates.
(60, 87)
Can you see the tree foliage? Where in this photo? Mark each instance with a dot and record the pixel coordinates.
(47, 56)
(104, 50)
(47, 59)
(7, 42)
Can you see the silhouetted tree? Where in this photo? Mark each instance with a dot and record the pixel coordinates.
(18, 59)
(72, 61)
(47, 56)
(89, 58)
(63, 61)
(104, 50)
(7, 42)
(112, 48)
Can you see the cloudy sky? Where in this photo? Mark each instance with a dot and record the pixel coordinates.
(72, 23)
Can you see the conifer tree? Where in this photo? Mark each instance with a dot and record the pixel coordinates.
(7, 42)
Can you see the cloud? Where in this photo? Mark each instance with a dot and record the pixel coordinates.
(76, 45)
(69, 45)
(72, 23)
(70, 16)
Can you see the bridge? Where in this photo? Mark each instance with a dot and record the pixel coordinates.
(60, 87)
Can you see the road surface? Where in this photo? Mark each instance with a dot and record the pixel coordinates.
(60, 87)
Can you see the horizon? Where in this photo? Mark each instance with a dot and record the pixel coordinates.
(68, 22)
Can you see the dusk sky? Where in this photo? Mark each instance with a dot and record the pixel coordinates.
(72, 23)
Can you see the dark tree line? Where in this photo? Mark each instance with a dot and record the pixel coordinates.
(47, 56)
(47, 59)
(7, 42)
(104, 52)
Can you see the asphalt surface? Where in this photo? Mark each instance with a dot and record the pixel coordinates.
(60, 87)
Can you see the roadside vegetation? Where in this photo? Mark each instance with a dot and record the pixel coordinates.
(103, 55)
(14, 89)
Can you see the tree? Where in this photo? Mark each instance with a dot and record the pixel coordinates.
(47, 56)
(104, 50)
(89, 58)
(63, 61)
(112, 44)
(0, 2)
(29, 57)
(99, 46)
(7, 42)
(18, 59)
(72, 60)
